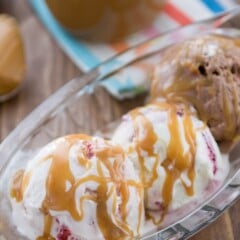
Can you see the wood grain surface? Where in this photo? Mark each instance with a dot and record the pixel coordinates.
(48, 69)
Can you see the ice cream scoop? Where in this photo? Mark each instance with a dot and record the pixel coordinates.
(174, 153)
(205, 72)
(78, 187)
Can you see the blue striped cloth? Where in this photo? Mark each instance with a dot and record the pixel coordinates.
(88, 55)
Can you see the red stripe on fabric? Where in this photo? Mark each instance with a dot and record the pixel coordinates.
(119, 46)
(176, 14)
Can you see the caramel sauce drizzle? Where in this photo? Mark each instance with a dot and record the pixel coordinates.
(15, 191)
(146, 144)
(59, 199)
(47, 228)
(177, 160)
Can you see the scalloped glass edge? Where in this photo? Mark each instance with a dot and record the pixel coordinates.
(205, 213)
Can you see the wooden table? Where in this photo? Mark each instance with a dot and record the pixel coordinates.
(48, 69)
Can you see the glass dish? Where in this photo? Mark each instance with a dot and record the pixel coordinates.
(83, 105)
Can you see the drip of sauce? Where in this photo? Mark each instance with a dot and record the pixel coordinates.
(108, 228)
(122, 192)
(16, 186)
(145, 143)
(47, 228)
(177, 161)
(59, 199)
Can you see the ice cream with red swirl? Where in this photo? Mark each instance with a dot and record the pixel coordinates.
(205, 72)
(174, 153)
(78, 187)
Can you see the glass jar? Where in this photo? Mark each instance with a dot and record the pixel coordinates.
(104, 19)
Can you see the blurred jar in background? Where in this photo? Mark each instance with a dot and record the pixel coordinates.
(12, 60)
(101, 20)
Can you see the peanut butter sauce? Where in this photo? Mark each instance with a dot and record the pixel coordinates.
(145, 144)
(108, 228)
(16, 186)
(178, 160)
(59, 199)
(47, 228)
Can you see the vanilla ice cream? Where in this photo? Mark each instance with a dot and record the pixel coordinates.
(174, 153)
(78, 187)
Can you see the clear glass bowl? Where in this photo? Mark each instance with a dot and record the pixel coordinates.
(83, 105)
